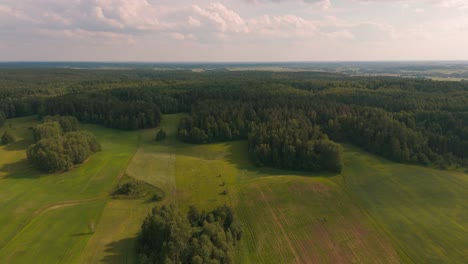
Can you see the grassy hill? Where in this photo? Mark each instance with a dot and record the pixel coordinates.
(376, 211)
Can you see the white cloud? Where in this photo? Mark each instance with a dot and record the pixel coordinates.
(283, 26)
(322, 4)
(222, 18)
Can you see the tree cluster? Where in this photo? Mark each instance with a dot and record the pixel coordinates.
(56, 150)
(200, 237)
(294, 144)
(106, 110)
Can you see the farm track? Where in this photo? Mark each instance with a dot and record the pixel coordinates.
(54, 206)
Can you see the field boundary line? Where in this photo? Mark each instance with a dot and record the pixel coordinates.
(53, 206)
(48, 208)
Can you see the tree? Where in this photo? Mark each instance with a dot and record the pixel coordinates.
(7, 138)
(47, 130)
(161, 135)
(169, 237)
(2, 118)
(165, 235)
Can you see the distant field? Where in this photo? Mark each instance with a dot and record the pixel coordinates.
(376, 211)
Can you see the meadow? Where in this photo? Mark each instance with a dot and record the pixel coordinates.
(52, 212)
(375, 211)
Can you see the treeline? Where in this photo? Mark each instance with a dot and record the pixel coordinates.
(106, 110)
(59, 145)
(405, 120)
(200, 237)
(396, 136)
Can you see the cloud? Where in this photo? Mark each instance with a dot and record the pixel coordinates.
(283, 26)
(373, 32)
(219, 16)
(322, 4)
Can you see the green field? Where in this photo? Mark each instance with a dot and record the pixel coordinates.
(376, 211)
(37, 208)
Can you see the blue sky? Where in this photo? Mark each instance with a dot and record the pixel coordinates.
(241, 30)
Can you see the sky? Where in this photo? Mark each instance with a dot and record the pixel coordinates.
(233, 30)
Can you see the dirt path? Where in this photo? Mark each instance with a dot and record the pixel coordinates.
(53, 206)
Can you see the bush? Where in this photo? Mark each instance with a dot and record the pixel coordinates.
(127, 188)
(161, 135)
(7, 138)
(157, 197)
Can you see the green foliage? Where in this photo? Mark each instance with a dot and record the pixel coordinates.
(67, 123)
(402, 119)
(161, 135)
(130, 188)
(47, 130)
(294, 144)
(104, 109)
(2, 118)
(7, 138)
(54, 152)
(168, 237)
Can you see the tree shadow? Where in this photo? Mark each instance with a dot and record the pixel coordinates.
(20, 169)
(18, 145)
(82, 234)
(122, 251)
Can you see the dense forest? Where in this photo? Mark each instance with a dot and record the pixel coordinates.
(200, 237)
(292, 120)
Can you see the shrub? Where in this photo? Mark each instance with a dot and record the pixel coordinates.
(161, 135)
(7, 138)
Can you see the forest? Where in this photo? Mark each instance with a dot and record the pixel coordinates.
(291, 120)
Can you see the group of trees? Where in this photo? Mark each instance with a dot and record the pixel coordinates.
(7, 137)
(106, 110)
(405, 120)
(416, 136)
(200, 237)
(294, 144)
(59, 145)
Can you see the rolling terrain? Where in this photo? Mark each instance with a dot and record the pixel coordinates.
(375, 211)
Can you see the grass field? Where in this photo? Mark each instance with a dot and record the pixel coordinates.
(33, 204)
(376, 211)
(287, 217)
(423, 210)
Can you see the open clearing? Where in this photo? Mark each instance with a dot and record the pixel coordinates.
(376, 211)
